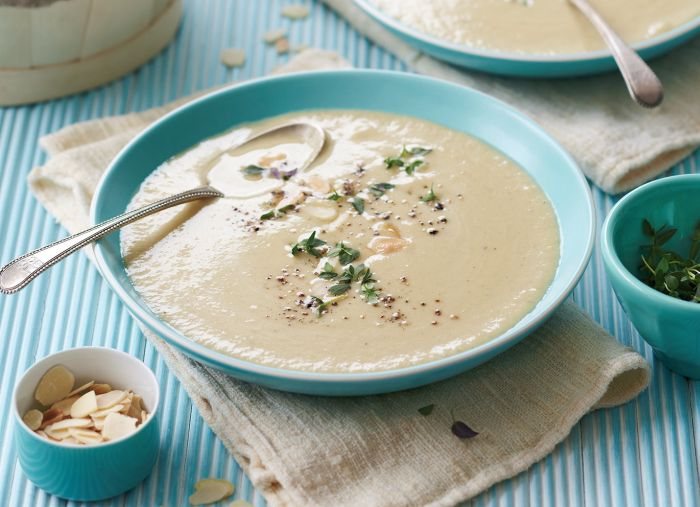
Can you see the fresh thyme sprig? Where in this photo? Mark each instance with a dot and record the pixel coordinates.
(411, 168)
(430, 196)
(253, 170)
(328, 272)
(335, 196)
(359, 204)
(311, 245)
(392, 162)
(277, 213)
(409, 159)
(379, 189)
(667, 271)
(416, 151)
(343, 282)
(321, 305)
(345, 254)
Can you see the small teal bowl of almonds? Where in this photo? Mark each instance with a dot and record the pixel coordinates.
(86, 423)
(651, 250)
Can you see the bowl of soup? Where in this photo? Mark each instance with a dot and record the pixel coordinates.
(437, 228)
(534, 38)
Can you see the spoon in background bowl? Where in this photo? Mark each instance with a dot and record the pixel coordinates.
(18, 273)
(643, 84)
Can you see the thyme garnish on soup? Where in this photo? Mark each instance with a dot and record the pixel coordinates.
(409, 159)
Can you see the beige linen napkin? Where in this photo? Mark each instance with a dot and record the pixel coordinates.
(618, 144)
(373, 451)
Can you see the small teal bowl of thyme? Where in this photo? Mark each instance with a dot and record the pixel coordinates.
(651, 250)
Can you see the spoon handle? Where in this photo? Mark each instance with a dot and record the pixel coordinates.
(643, 85)
(15, 275)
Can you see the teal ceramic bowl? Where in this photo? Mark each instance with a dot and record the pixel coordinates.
(444, 103)
(95, 472)
(671, 326)
(527, 65)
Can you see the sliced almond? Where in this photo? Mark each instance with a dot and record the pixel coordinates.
(387, 245)
(324, 211)
(282, 46)
(295, 11)
(209, 491)
(43, 434)
(273, 36)
(55, 385)
(70, 439)
(144, 416)
(33, 419)
(85, 436)
(232, 57)
(101, 414)
(82, 388)
(70, 423)
(98, 423)
(51, 416)
(110, 399)
(57, 434)
(65, 405)
(101, 388)
(384, 228)
(85, 405)
(135, 407)
(318, 184)
(126, 403)
(118, 425)
(239, 503)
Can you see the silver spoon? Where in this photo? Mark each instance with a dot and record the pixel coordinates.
(15, 275)
(643, 85)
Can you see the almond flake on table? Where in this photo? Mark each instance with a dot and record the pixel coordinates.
(274, 35)
(282, 46)
(239, 503)
(232, 57)
(208, 491)
(295, 11)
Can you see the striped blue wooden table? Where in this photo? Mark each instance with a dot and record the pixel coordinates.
(642, 454)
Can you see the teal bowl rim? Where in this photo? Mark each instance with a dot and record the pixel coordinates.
(212, 357)
(609, 253)
(103, 445)
(583, 56)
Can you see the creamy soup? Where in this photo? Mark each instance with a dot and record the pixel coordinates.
(538, 26)
(403, 243)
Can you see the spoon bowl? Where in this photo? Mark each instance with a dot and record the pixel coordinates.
(17, 274)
